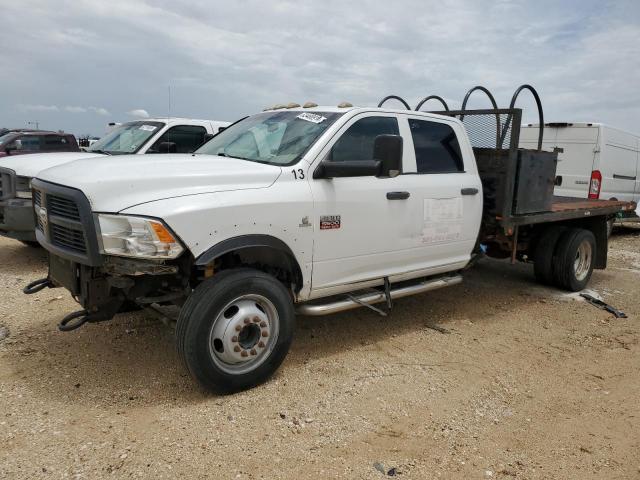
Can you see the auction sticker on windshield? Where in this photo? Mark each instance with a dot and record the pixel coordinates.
(147, 128)
(312, 117)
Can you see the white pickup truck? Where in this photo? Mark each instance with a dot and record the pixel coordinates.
(301, 210)
(162, 135)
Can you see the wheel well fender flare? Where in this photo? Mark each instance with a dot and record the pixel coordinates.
(244, 242)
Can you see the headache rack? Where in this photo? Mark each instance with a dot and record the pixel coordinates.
(516, 182)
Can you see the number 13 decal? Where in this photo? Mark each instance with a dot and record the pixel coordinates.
(298, 174)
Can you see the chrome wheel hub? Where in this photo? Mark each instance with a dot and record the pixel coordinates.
(582, 263)
(244, 333)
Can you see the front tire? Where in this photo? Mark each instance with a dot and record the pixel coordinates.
(574, 259)
(235, 330)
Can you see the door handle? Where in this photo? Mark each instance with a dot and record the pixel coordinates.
(623, 177)
(469, 191)
(397, 195)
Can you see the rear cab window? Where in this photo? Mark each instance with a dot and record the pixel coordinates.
(53, 143)
(436, 147)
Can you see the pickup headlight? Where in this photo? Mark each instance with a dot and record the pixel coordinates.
(23, 187)
(137, 237)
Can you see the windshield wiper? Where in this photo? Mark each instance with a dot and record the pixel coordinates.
(104, 152)
(231, 156)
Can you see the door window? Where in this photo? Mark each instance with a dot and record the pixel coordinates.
(187, 138)
(357, 142)
(28, 143)
(55, 143)
(436, 146)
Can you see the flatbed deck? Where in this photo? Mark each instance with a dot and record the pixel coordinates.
(567, 208)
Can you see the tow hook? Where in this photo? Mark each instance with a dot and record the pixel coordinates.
(66, 324)
(36, 286)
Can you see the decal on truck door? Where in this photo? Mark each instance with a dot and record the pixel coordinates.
(442, 220)
(329, 222)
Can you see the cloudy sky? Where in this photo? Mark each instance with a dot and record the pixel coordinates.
(77, 65)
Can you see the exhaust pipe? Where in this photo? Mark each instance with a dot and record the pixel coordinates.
(315, 309)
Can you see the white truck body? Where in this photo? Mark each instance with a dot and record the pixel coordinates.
(206, 200)
(311, 210)
(584, 148)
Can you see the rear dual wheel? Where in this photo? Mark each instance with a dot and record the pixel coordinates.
(565, 257)
(235, 330)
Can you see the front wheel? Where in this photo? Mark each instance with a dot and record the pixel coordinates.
(235, 330)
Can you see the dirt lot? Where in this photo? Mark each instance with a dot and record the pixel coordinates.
(530, 383)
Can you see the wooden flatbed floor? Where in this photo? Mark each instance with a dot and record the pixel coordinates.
(567, 208)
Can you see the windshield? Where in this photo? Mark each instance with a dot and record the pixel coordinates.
(127, 138)
(277, 138)
(7, 137)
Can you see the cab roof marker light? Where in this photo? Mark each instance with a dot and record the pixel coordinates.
(310, 105)
(279, 106)
(345, 105)
(293, 105)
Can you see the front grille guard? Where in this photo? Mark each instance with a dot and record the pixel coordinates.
(65, 235)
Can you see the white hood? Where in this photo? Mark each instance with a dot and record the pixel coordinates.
(32, 164)
(122, 181)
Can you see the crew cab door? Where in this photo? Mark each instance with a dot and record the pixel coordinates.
(446, 193)
(362, 225)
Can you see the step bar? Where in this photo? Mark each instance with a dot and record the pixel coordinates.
(318, 309)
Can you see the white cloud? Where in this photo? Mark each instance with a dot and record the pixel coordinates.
(582, 55)
(75, 109)
(139, 113)
(38, 108)
(99, 110)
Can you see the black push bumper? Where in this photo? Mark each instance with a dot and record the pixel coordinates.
(16, 219)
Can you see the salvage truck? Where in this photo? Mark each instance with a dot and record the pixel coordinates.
(305, 210)
(162, 135)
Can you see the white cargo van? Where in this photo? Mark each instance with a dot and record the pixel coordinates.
(594, 160)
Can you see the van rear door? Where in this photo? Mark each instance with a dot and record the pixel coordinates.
(618, 164)
(577, 153)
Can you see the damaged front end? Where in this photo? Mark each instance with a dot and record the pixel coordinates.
(89, 256)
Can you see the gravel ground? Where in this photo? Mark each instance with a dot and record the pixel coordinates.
(528, 383)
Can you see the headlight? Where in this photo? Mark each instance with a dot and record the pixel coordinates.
(23, 187)
(137, 237)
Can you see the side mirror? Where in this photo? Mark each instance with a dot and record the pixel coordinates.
(388, 150)
(10, 148)
(167, 147)
(207, 137)
(221, 129)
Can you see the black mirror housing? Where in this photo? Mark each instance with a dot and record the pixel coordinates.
(388, 150)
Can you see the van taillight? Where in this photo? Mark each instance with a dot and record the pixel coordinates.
(595, 184)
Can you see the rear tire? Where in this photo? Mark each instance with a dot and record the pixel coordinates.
(235, 330)
(574, 259)
(543, 256)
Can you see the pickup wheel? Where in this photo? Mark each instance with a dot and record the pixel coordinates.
(543, 255)
(574, 259)
(235, 329)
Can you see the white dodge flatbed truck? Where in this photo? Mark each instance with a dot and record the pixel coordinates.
(305, 211)
(161, 135)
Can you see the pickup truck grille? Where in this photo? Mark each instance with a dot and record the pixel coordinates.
(64, 223)
(63, 207)
(68, 238)
(6, 184)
